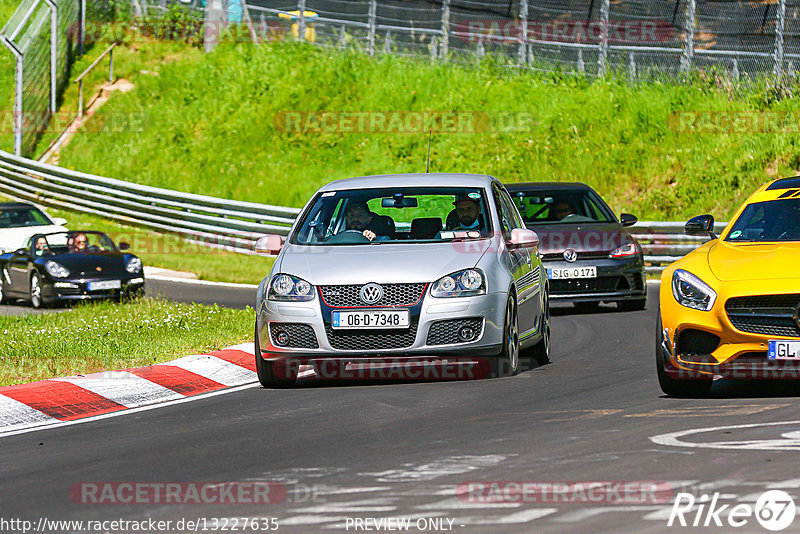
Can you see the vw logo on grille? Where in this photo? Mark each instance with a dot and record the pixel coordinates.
(370, 293)
(570, 255)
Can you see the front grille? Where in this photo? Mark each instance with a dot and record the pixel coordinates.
(581, 255)
(772, 315)
(393, 295)
(602, 284)
(372, 340)
(446, 332)
(301, 336)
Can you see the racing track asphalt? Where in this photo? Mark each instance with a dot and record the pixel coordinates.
(377, 450)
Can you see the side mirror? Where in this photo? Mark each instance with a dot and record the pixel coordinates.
(523, 238)
(626, 219)
(700, 226)
(21, 252)
(269, 244)
(123, 245)
(59, 221)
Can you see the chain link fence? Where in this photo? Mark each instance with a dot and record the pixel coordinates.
(638, 38)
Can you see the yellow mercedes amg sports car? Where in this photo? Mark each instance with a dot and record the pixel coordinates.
(730, 307)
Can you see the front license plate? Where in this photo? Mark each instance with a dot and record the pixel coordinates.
(370, 319)
(572, 272)
(104, 284)
(784, 350)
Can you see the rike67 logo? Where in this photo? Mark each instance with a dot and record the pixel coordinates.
(774, 510)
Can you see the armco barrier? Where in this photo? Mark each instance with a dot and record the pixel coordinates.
(226, 223)
(665, 242)
(214, 221)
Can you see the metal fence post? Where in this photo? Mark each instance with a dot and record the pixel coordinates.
(387, 43)
(523, 33)
(445, 28)
(688, 50)
(301, 20)
(602, 55)
(779, 28)
(342, 38)
(373, 13)
(53, 53)
(82, 27)
(632, 66)
(581, 65)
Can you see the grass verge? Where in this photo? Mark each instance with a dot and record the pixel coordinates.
(108, 336)
(212, 125)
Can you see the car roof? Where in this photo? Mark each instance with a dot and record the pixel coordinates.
(548, 186)
(783, 183)
(15, 205)
(410, 180)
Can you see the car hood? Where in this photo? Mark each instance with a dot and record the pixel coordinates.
(592, 237)
(13, 238)
(754, 261)
(384, 263)
(81, 265)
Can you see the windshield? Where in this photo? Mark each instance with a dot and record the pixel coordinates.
(395, 215)
(71, 243)
(23, 216)
(773, 220)
(554, 207)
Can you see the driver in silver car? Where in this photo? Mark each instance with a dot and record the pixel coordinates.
(358, 217)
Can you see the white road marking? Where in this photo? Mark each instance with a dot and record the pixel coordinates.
(523, 516)
(216, 369)
(454, 465)
(455, 503)
(588, 513)
(15, 415)
(790, 441)
(123, 388)
(310, 519)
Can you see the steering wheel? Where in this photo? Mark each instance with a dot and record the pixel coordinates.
(348, 237)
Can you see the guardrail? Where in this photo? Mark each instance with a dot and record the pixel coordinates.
(222, 223)
(665, 242)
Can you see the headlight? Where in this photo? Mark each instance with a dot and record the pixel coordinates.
(287, 287)
(56, 270)
(692, 292)
(460, 284)
(134, 265)
(625, 251)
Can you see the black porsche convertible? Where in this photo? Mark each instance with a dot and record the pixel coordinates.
(69, 266)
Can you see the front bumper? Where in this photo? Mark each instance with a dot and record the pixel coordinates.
(311, 326)
(617, 280)
(738, 354)
(57, 290)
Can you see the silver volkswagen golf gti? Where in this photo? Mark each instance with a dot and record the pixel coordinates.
(403, 268)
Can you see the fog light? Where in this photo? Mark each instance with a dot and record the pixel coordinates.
(65, 285)
(136, 281)
(466, 333)
(281, 338)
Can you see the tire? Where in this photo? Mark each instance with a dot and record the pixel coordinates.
(632, 305)
(266, 370)
(586, 307)
(3, 296)
(36, 292)
(671, 386)
(508, 362)
(541, 351)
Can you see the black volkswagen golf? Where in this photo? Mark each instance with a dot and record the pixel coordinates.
(589, 255)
